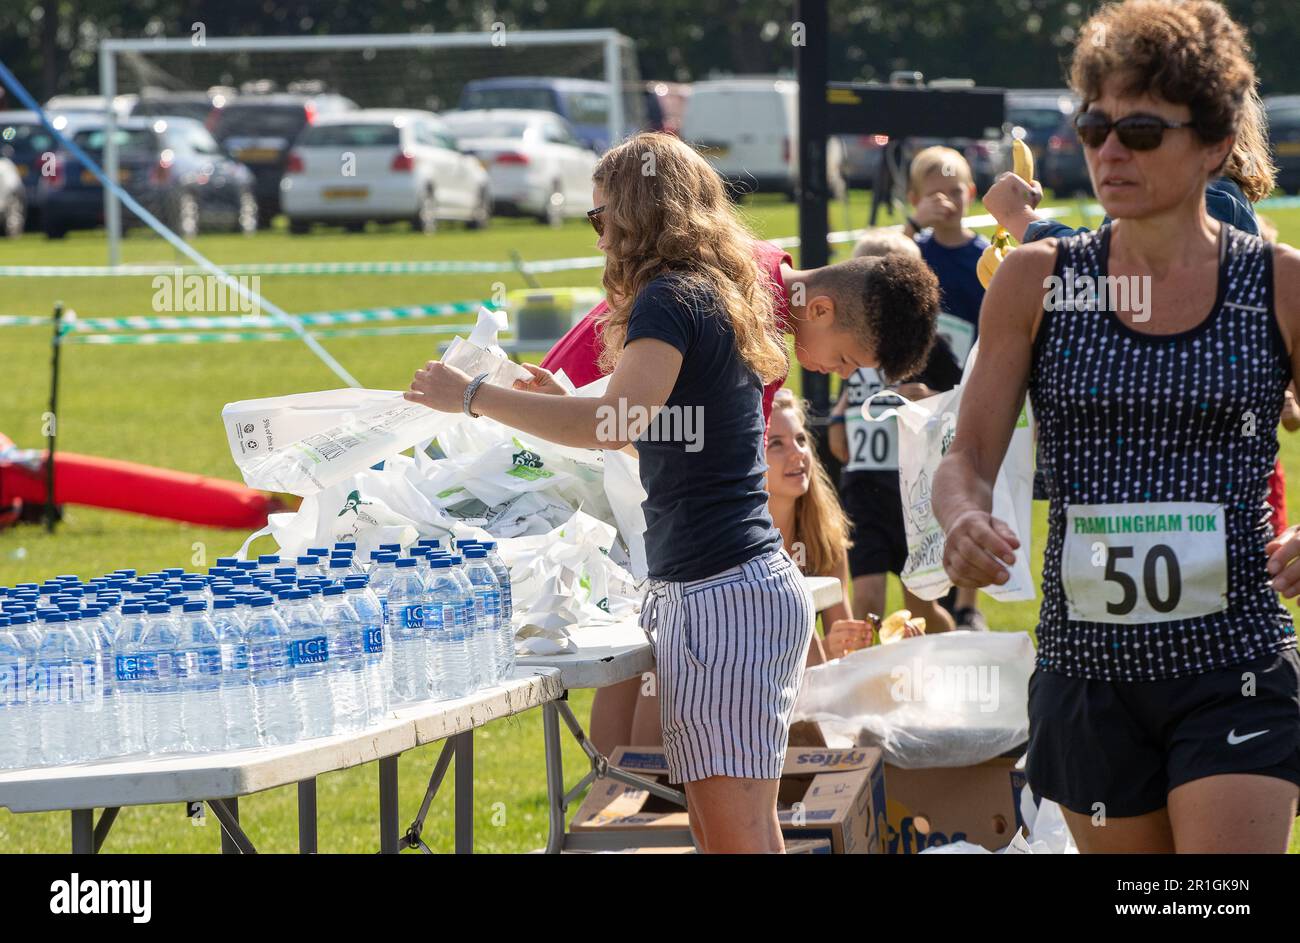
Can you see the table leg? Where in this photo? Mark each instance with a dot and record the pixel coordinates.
(83, 831)
(388, 805)
(106, 821)
(307, 817)
(554, 778)
(465, 793)
(228, 845)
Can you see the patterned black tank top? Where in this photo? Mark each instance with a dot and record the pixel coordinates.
(1157, 452)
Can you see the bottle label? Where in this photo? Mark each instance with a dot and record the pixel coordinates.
(309, 651)
(234, 657)
(13, 680)
(411, 617)
(209, 661)
(138, 667)
(373, 638)
(266, 657)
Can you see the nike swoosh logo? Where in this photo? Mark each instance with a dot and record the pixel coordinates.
(1233, 739)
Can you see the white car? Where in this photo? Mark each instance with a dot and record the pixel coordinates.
(13, 200)
(538, 168)
(385, 165)
(749, 130)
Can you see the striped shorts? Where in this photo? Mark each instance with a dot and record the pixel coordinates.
(729, 652)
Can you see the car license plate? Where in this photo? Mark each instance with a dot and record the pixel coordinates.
(258, 155)
(345, 193)
(1288, 148)
(90, 180)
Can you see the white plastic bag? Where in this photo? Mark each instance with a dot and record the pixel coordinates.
(953, 699)
(925, 431)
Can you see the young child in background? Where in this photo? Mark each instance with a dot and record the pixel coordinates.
(868, 452)
(941, 188)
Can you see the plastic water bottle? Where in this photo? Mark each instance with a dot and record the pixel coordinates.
(15, 718)
(238, 705)
(198, 676)
(309, 662)
(382, 575)
(111, 730)
(488, 599)
(447, 630)
(128, 679)
(406, 630)
(88, 700)
(478, 638)
(502, 573)
(347, 681)
(309, 565)
(279, 719)
(375, 654)
(164, 730)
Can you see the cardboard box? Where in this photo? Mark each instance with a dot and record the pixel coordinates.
(929, 807)
(836, 796)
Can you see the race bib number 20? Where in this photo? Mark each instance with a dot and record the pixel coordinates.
(1140, 563)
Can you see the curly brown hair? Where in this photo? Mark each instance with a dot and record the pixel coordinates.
(666, 212)
(1188, 52)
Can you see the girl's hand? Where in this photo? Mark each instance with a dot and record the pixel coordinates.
(439, 387)
(543, 381)
(978, 548)
(848, 635)
(1283, 567)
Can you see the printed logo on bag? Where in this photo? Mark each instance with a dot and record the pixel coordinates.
(353, 503)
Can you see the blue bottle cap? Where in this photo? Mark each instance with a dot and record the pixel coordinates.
(294, 594)
(319, 551)
(132, 608)
(197, 605)
(440, 563)
(268, 558)
(406, 562)
(334, 589)
(225, 602)
(340, 563)
(261, 602)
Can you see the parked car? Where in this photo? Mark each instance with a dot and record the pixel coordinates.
(13, 200)
(90, 104)
(1045, 117)
(536, 164)
(197, 105)
(172, 166)
(30, 145)
(1284, 138)
(585, 104)
(259, 129)
(665, 105)
(749, 130)
(382, 164)
(862, 156)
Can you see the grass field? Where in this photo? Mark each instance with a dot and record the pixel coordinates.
(161, 405)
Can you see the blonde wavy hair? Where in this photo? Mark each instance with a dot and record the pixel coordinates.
(666, 212)
(1250, 163)
(820, 523)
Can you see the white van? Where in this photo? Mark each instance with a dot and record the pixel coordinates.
(749, 129)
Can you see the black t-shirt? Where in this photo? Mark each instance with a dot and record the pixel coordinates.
(702, 459)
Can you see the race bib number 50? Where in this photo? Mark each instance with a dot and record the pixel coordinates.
(1138, 563)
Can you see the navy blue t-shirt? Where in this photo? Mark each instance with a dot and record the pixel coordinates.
(702, 459)
(960, 291)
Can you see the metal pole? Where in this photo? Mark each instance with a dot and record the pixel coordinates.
(83, 831)
(810, 63)
(112, 209)
(388, 805)
(307, 817)
(228, 845)
(554, 778)
(614, 77)
(56, 343)
(465, 793)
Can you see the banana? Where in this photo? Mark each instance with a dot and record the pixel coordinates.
(891, 627)
(1022, 165)
(1022, 160)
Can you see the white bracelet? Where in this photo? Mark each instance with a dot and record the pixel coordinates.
(470, 390)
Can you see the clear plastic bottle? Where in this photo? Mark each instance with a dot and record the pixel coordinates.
(156, 659)
(478, 637)
(279, 720)
(198, 675)
(346, 675)
(238, 701)
(487, 594)
(15, 717)
(112, 741)
(309, 666)
(406, 599)
(447, 631)
(502, 573)
(377, 657)
(128, 679)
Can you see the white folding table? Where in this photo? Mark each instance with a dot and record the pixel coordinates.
(219, 779)
(607, 655)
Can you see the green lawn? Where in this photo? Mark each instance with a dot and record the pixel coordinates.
(161, 405)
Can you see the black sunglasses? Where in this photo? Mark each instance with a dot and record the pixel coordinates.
(1136, 132)
(598, 224)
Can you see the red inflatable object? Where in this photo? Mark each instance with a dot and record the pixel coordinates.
(127, 486)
